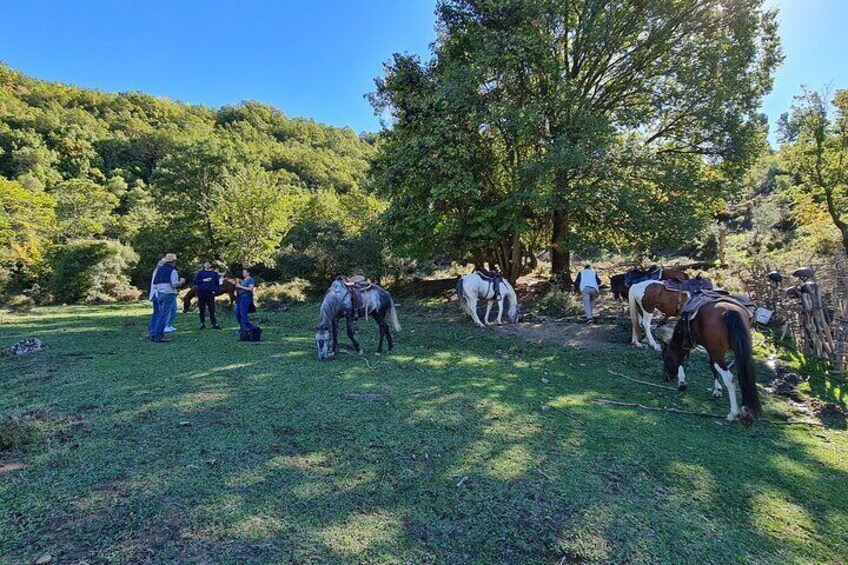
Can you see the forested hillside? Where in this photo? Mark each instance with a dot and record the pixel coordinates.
(95, 184)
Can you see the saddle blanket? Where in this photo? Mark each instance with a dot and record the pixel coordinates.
(635, 276)
(700, 299)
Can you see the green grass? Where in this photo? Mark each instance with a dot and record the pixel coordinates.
(207, 450)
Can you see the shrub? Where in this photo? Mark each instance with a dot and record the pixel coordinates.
(276, 296)
(559, 303)
(92, 271)
(320, 251)
(20, 304)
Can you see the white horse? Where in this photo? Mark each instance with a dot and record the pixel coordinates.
(472, 288)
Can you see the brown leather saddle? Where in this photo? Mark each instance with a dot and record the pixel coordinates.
(357, 285)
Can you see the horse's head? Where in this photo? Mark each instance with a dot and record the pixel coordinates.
(514, 312)
(322, 342)
(671, 362)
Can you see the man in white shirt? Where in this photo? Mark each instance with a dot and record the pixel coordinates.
(588, 284)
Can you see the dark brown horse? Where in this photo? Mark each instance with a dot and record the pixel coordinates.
(719, 327)
(618, 283)
(227, 287)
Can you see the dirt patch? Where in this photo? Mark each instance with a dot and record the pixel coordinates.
(591, 337)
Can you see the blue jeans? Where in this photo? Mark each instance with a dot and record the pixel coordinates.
(243, 303)
(162, 309)
(172, 313)
(151, 325)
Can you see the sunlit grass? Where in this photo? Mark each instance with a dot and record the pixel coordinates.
(211, 450)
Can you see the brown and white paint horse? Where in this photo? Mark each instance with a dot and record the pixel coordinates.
(719, 327)
(646, 297)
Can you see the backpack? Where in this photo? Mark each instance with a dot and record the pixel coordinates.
(253, 334)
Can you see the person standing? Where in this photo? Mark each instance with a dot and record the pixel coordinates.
(244, 300)
(588, 284)
(152, 297)
(166, 281)
(207, 282)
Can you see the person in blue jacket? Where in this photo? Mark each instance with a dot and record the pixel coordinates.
(207, 281)
(244, 300)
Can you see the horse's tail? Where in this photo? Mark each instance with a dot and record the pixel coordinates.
(634, 309)
(460, 294)
(740, 341)
(393, 313)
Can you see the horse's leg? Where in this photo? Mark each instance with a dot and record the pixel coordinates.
(472, 308)
(381, 323)
(335, 328)
(500, 311)
(730, 384)
(716, 392)
(646, 325)
(349, 323)
(488, 311)
(635, 308)
(681, 378)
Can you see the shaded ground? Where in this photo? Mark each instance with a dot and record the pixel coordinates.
(595, 337)
(212, 451)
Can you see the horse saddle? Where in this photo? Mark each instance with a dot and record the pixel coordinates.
(698, 284)
(698, 300)
(635, 276)
(494, 278)
(357, 284)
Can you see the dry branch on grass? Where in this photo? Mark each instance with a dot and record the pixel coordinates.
(704, 414)
(647, 383)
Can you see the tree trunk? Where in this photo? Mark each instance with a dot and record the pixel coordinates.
(560, 254)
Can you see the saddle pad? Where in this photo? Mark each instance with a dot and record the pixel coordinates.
(699, 300)
(635, 276)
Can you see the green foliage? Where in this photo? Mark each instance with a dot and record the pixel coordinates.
(334, 234)
(816, 151)
(538, 121)
(158, 176)
(92, 271)
(251, 213)
(84, 208)
(559, 303)
(277, 296)
(20, 304)
(27, 226)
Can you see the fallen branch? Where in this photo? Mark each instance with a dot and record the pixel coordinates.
(642, 382)
(706, 414)
(657, 409)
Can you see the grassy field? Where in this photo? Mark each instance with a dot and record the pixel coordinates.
(207, 450)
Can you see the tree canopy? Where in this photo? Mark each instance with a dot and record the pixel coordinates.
(576, 123)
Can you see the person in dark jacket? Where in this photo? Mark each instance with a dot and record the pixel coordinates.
(207, 281)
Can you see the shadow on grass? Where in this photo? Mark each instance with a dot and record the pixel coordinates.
(213, 450)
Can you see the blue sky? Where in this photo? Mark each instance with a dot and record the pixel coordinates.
(309, 58)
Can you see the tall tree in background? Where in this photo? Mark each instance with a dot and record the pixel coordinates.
(816, 151)
(563, 86)
(251, 213)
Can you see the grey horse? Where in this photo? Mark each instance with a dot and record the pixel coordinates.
(343, 302)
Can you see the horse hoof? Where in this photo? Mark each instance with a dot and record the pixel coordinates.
(682, 386)
(636, 345)
(731, 417)
(377, 354)
(359, 352)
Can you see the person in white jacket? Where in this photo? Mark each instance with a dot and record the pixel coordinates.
(588, 284)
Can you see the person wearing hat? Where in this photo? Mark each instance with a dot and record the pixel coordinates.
(588, 284)
(164, 287)
(207, 281)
